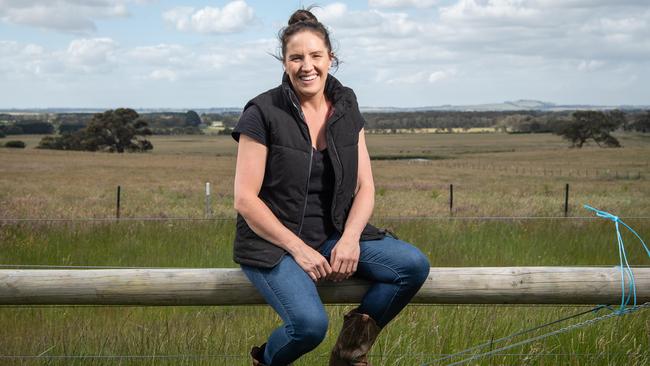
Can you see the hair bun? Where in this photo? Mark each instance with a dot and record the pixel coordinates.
(302, 16)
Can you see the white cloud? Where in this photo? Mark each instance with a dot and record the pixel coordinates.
(163, 74)
(440, 75)
(586, 3)
(91, 55)
(402, 3)
(590, 65)
(420, 77)
(416, 78)
(355, 23)
(62, 15)
(180, 17)
(474, 10)
(233, 17)
(162, 54)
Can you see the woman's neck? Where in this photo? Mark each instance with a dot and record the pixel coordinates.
(315, 103)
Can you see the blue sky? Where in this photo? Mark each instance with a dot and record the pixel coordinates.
(404, 53)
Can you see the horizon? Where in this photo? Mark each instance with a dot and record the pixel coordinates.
(452, 107)
(157, 54)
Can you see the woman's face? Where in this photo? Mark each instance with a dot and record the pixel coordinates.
(307, 62)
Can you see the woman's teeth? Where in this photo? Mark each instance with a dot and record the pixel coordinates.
(308, 77)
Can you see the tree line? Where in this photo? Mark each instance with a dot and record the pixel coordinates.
(124, 129)
(166, 123)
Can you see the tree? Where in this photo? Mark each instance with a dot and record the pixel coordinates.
(192, 119)
(15, 144)
(35, 127)
(116, 130)
(641, 123)
(71, 127)
(595, 125)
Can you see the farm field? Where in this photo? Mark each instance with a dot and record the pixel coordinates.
(493, 175)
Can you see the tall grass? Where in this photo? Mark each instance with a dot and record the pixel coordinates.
(223, 335)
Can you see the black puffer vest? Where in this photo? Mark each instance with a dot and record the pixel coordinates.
(288, 166)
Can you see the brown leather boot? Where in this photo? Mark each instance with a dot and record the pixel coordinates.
(357, 336)
(257, 353)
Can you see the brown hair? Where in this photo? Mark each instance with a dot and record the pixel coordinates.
(305, 20)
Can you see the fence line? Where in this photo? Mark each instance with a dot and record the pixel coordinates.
(208, 211)
(387, 218)
(325, 355)
(627, 174)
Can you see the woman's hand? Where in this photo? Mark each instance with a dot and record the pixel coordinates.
(312, 262)
(344, 259)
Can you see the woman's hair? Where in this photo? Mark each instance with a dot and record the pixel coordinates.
(305, 20)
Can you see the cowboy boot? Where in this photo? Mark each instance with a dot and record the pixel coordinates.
(257, 353)
(358, 334)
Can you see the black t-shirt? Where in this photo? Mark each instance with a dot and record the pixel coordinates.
(317, 222)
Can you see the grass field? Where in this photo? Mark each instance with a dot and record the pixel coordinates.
(222, 335)
(492, 174)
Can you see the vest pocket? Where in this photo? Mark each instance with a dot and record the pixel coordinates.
(372, 233)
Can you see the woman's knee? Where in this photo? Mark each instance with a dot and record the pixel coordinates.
(310, 328)
(416, 265)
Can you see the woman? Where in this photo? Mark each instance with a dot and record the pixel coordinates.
(304, 193)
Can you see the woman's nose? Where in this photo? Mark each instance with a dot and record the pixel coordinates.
(307, 64)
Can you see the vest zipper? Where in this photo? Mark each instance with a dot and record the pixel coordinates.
(311, 157)
(304, 208)
(336, 181)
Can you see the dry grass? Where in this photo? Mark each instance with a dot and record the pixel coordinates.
(493, 174)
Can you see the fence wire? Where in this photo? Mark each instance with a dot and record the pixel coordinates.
(323, 356)
(386, 218)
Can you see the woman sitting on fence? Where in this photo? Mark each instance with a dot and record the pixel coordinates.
(304, 192)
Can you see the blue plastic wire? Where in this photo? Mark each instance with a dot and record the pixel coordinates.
(626, 270)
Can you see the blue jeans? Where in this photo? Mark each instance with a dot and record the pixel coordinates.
(396, 268)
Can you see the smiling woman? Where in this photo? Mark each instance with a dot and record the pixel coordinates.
(304, 192)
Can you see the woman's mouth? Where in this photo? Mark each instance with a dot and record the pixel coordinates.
(307, 78)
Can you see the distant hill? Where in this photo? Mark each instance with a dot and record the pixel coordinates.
(508, 106)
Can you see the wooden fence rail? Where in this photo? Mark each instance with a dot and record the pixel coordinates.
(221, 286)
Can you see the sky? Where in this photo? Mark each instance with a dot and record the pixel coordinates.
(394, 53)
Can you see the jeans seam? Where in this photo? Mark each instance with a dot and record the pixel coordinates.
(266, 282)
(394, 295)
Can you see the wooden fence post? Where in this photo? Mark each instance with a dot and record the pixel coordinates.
(208, 208)
(451, 199)
(117, 210)
(566, 200)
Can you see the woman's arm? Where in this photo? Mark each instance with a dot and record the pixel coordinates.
(249, 174)
(345, 254)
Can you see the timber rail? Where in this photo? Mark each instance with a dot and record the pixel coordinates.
(229, 286)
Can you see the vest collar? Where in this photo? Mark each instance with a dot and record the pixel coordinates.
(334, 90)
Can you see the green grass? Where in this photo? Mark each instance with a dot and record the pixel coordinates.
(223, 335)
(493, 174)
